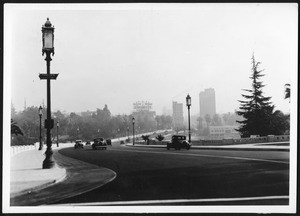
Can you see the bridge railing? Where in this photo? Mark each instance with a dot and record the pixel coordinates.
(21, 148)
(248, 140)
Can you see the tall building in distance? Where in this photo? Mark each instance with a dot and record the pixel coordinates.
(207, 100)
(177, 115)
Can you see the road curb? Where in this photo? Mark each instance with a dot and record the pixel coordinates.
(49, 183)
(254, 148)
(68, 185)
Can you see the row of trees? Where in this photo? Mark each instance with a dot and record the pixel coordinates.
(86, 126)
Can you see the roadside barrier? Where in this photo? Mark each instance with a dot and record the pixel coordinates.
(269, 138)
(21, 148)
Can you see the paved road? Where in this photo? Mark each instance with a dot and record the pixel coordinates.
(151, 174)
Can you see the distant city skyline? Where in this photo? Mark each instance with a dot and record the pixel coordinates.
(117, 54)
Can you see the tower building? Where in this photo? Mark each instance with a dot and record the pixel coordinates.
(177, 115)
(207, 100)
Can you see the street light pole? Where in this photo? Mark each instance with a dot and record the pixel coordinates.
(188, 104)
(57, 126)
(40, 114)
(128, 132)
(48, 48)
(133, 120)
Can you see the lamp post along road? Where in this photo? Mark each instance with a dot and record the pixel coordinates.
(128, 132)
(48, 48)
(40, 114)
(133, 120)
(188, 104)
(57, 126)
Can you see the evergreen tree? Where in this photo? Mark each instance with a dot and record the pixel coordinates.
(287, 91)
(256, 109)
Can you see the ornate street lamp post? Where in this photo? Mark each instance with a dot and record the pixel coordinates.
(188, 104)
(128, 132)
(40, 114)
(57, 126)
(133, 120)
(48, 48)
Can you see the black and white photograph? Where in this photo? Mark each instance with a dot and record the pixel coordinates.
(150, 108)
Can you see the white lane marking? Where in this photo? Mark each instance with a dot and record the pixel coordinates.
(204, 155)
(143, 202)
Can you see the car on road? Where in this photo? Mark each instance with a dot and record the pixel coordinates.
(78, 144)
(88, 143)
(99, 143)
(178, 142)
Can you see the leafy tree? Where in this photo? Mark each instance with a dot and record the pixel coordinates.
(256, 109)
(160, 137)
(145, 137)
(287, 91)
(207, 119)
(216, 120)
(15, 129)
(280, 123)
(200, 123)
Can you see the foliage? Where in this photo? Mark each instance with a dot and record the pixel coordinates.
(280, 123)
(86, 125)
(287, 91)
(216, 120)
(257, 110)
(145, 137)
(207, 119)
(160, 137)
(15, 129)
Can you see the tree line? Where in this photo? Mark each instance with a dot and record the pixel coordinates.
(85, 126)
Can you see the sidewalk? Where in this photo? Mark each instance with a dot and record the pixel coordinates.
(30, 185)
(27, 173)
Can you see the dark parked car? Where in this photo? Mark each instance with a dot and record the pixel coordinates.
(178, 142)
(99, 143)
(78, 144)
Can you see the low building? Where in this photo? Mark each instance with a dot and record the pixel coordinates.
(224, 132)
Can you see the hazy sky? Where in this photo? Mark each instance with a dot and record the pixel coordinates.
(118, 54)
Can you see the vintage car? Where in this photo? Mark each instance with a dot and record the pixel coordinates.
(99, 143)
(178, 142)
(78, 144)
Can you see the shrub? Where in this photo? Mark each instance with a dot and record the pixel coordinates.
(160, 137)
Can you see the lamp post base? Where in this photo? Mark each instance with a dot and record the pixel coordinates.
(41, 146)
(48, 162)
